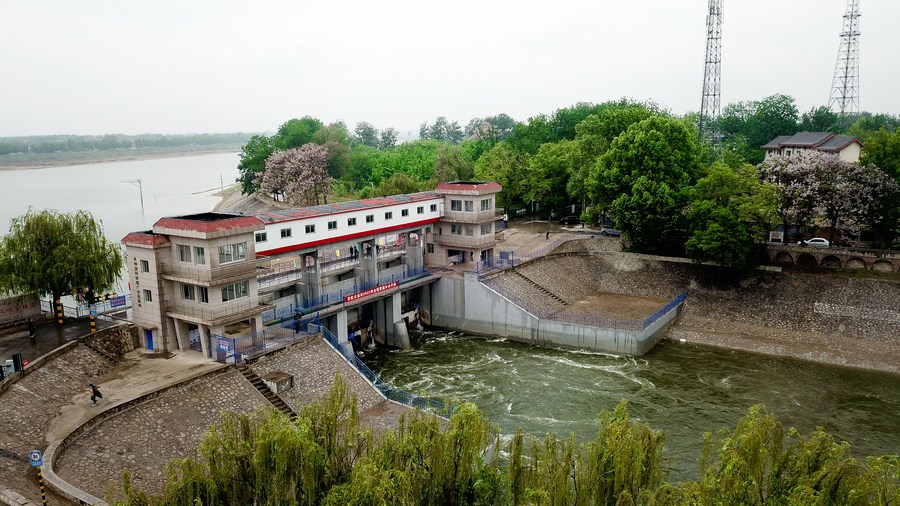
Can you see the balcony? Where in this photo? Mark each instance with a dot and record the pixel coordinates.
(218, 314)
(201, 274)
(469, 217)
(464, 241)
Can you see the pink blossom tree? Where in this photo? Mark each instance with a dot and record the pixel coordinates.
(847, 193)
(796, 184)
(299, 176)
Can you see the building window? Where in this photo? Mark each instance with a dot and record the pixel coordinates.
(456, 205)
(232, 252)
(486, 228)
(430, 248)
(370, 218)
(469, 206)
(235, 291)
(204, 294)
(200, 255)
(148, 297)
(310, 229)
(332, 225)
(351, 222)
(455, 229)
(404, 212)
(261, 237)
(486, 205)
(187, 291)
(389, 215)
(145, 266)
(285, 233)
(184, 253)
(420, 210)
(470, 231)
(433, 208)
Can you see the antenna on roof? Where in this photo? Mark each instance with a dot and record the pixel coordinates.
(845, 85)
(710, 107)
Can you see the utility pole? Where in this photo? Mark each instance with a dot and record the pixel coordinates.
(845, 85)
(137, 182)
(711, 104)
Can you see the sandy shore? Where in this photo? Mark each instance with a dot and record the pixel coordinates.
(45, 164)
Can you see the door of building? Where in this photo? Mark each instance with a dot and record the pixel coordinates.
(149, 334)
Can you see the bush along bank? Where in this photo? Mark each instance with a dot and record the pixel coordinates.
(325, 457)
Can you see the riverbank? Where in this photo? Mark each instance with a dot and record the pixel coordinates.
(28, 162)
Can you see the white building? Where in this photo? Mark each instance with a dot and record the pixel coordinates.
(846, 147)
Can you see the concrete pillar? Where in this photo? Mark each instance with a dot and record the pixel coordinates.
(205, 344)
(380, 321)
(181, 333)
(368, 263)
(395, 327)
(341, 331)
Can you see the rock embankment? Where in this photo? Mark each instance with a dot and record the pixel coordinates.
(233, 201)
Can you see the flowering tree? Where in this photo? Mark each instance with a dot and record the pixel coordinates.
(848, 192)
(298, 176)
(796, 186)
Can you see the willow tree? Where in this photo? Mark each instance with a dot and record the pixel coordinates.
(52, 253)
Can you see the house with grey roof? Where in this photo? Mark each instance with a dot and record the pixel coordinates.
(846, 147)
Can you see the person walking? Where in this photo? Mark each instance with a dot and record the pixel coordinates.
(95, 394)
(31, 328)
(548, 235)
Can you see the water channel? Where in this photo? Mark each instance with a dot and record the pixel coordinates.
(684, 390)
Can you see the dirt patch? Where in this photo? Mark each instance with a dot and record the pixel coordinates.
(616, 306)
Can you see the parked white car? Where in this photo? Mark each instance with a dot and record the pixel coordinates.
(815, 242)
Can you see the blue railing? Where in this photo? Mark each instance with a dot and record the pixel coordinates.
(238, 349)
(279, 313)
(394, 394)
(338, 296)
(665, 309)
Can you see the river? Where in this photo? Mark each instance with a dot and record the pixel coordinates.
(682, 389)
(171, 186)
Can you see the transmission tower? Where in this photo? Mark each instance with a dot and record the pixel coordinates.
(712, 73)
(845, 86)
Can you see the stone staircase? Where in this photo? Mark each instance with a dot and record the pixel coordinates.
(99, 351)
(540, 288)
(270, 396)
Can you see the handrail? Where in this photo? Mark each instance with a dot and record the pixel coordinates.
(391, 393)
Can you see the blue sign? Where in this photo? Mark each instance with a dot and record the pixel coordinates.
(117, 301)
(93, 310)
(36, 458)
(224, 345)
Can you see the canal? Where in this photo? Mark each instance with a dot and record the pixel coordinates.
(682, 389)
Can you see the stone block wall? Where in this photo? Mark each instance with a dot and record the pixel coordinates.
(146, 436)
(313, 366)
(115, 341)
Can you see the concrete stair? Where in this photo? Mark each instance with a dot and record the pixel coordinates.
(270, 396)
(540, 288)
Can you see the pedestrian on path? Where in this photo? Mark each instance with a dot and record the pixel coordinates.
(548, 235)
(31, 328)
(95, 394)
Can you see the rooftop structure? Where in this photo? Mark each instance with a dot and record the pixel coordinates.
(845, 146)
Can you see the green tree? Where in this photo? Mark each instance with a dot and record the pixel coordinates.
(253, 161)
(388, 138)
(749, 125)
(527, 138)
(296, 132)
(725, 206)
(644, 180)
(52, 253)
(366, 134)
(883, 151)
(548, 173)
(450, 165)
(820, 119)
(336, 140)
(504, 166)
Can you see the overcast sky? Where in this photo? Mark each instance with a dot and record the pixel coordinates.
(93, 67)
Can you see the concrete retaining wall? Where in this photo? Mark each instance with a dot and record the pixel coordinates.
(468, 305)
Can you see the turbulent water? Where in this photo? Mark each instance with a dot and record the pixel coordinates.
(681, 389)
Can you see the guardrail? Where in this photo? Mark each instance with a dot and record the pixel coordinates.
(238, 349)
(83, 310)
(665, 309)
(338, 296)
(498, 264)
(394, 394)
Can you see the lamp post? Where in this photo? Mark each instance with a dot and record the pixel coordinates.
(137, 182)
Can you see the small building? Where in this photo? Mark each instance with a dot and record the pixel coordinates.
(846, 147)
(466, 230)
(192, 277)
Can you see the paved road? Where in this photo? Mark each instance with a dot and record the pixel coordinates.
(48, 337)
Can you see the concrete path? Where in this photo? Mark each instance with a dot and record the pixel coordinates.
(135, 375)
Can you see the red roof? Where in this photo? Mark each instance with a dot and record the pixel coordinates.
(145, 238)
(479, 186)
(206, 226)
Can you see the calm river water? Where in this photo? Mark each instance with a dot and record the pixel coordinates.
(171, 186)
(681, 389)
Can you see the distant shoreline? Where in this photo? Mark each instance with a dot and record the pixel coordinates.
(130, 157)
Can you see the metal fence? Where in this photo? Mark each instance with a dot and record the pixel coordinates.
(83, 310)
(238, 349)
(338, 296)
(394, 394)
(665, 309)
(497, 264)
